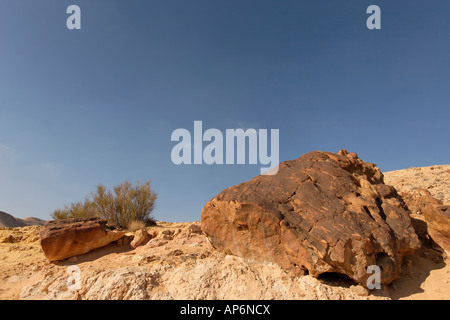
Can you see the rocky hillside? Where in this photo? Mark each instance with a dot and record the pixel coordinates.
(9, 221)
(436, 179)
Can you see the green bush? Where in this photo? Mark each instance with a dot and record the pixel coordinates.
(79, 209)
(119, 206)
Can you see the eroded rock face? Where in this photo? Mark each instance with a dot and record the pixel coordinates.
(323, 212)
(437, 215)
(65, 238)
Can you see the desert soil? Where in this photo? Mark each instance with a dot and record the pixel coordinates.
(181, 264)
(436, 179)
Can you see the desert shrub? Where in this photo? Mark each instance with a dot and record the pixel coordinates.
(80, 209)
(120, 206)
(136, 225)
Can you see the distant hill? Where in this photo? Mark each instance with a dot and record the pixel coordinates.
(7, 220)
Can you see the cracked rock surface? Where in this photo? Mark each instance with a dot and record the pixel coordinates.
(323, 212)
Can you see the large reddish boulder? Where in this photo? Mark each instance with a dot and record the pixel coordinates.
(323, 212)
(65, 238)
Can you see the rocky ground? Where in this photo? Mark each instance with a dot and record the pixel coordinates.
(436, 179)
(180, 263)
(177, 264)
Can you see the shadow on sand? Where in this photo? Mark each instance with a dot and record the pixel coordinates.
(416, 269)
(418, 266)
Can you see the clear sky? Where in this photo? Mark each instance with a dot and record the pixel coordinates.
(99, 105)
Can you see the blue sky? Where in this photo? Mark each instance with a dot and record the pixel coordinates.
(98, 105)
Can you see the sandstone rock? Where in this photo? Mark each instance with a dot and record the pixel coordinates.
(166, 237)
(128, 283)
(360, 290)
(417, 200)
(437, 215)
(154, 243)
(175, 252)
(62, 239)
(193, 228)
(142, 259)
(438, 220)
(21, 234)
(122, 284)
(141, 237)
(212, 278)
(125, 240)
(154, 234)
(323, 212)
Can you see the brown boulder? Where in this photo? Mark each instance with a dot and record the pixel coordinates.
(65, 238)
(437, 215)
(141, 237)
(438, 221)
(323, 212)
(417, 200)
(193, 228)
